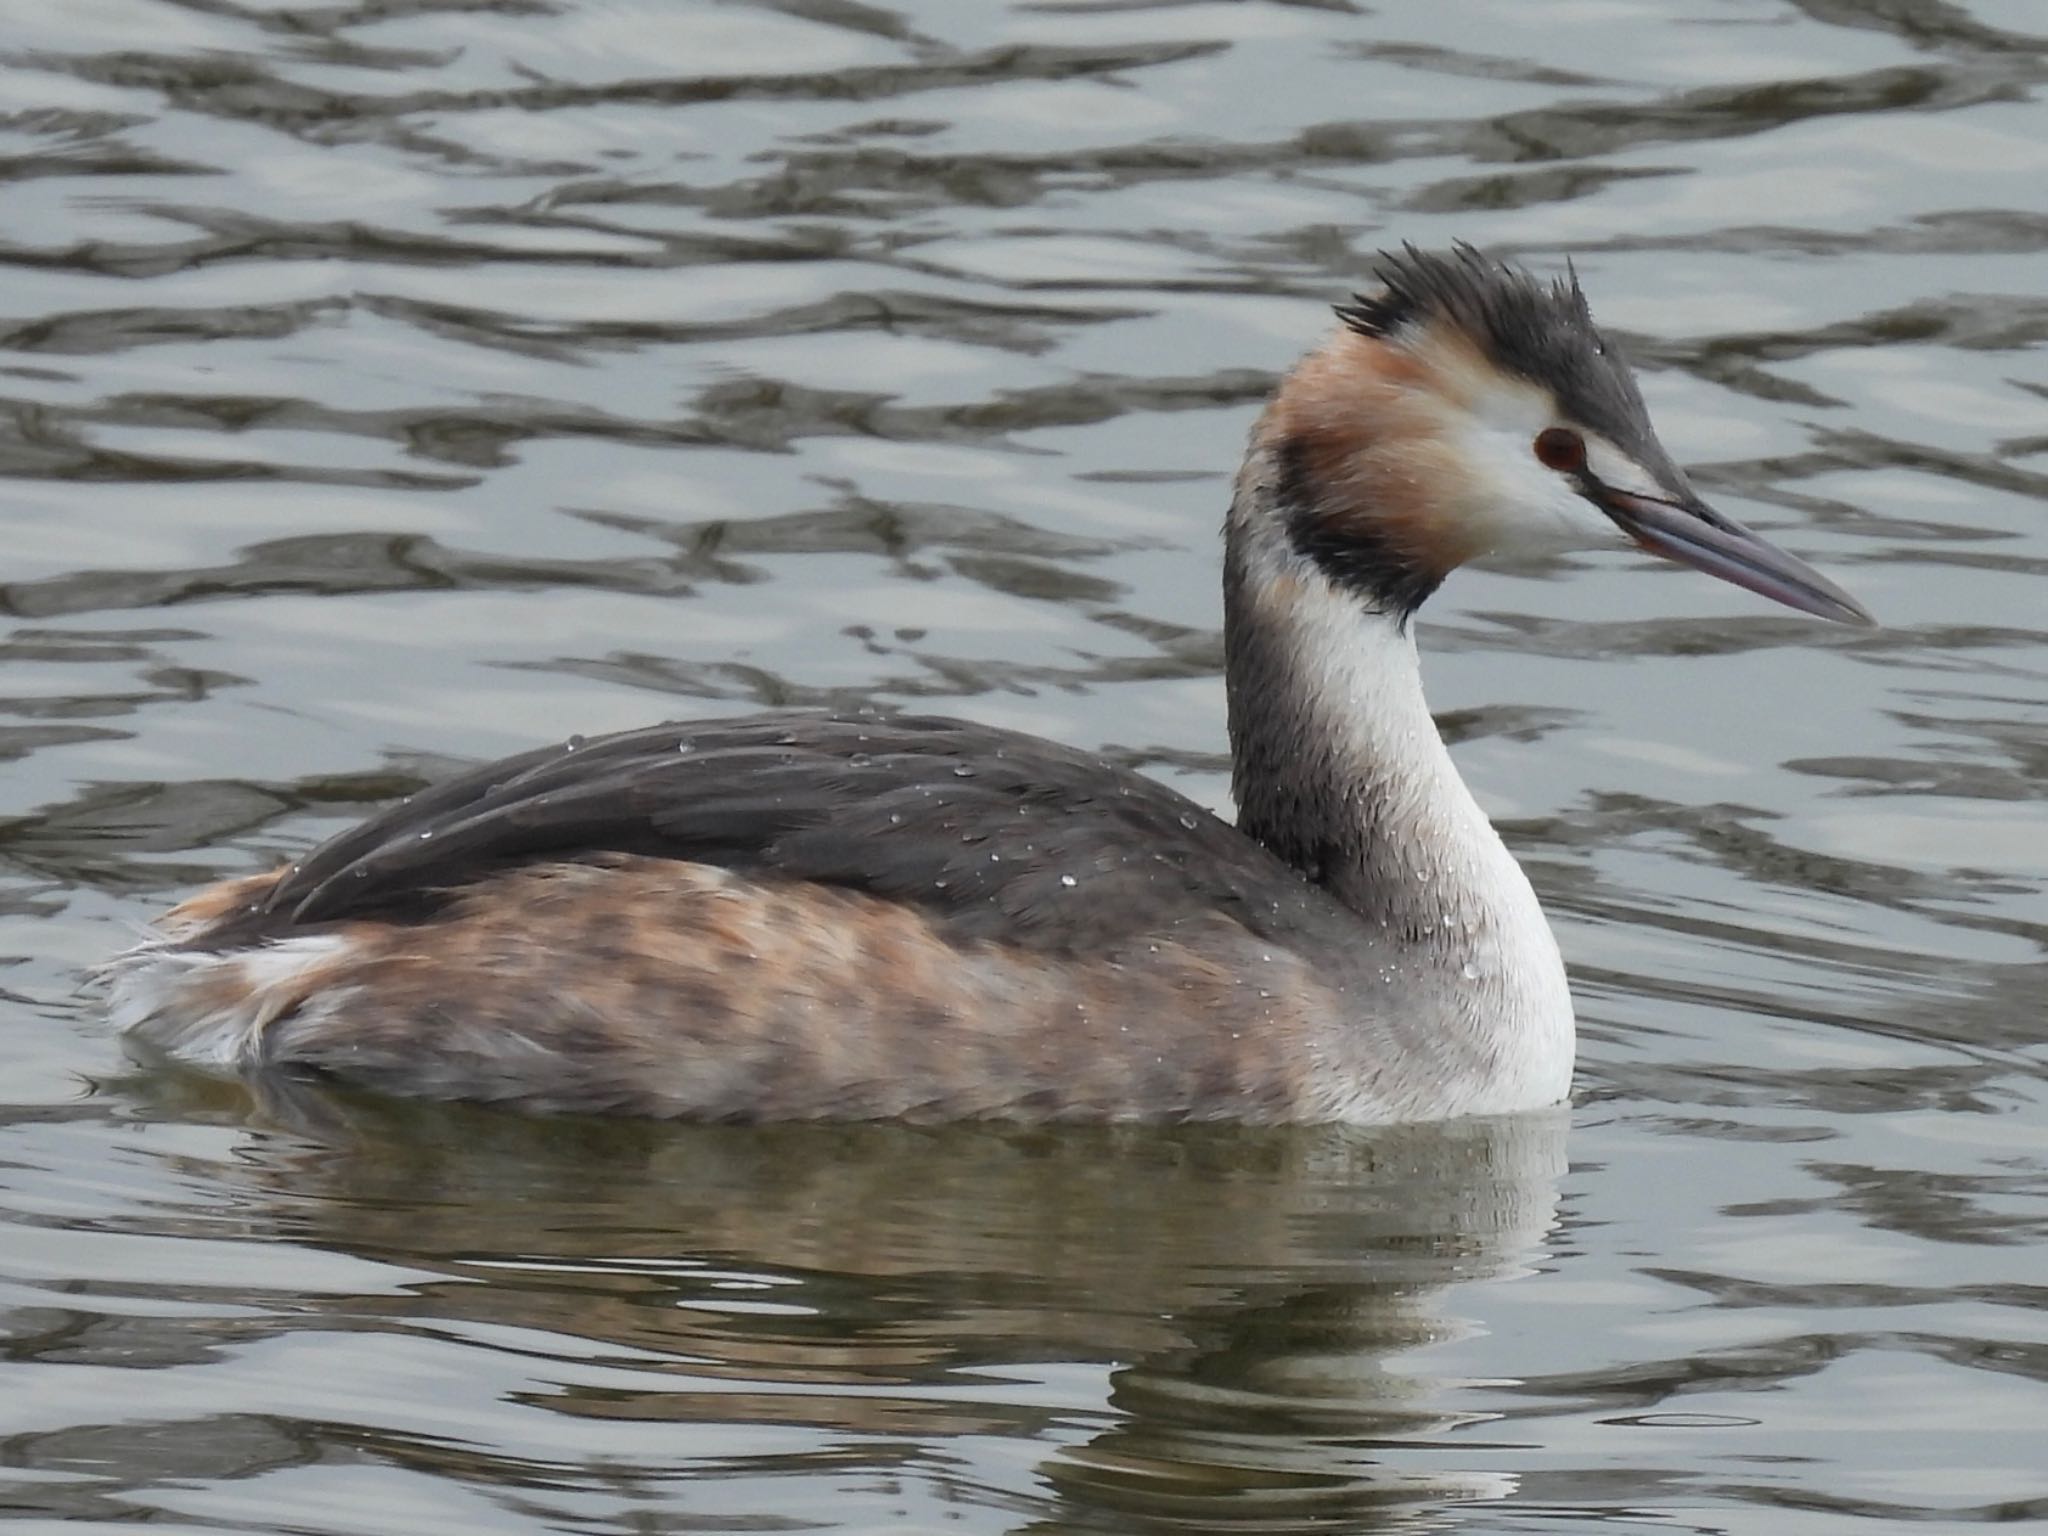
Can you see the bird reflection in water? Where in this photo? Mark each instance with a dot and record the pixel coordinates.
(1092, 1328)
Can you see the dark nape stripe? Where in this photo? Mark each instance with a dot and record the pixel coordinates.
(1354, 553)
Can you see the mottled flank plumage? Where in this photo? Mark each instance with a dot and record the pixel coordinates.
(801, 915)
(668, 987)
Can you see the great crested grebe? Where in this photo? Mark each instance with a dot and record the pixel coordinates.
(798, 916)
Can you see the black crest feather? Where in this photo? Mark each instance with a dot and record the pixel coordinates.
(1542, 332)
(1487, 298)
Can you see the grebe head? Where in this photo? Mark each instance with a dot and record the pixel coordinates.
(1465, 409)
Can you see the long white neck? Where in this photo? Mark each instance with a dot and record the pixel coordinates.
(1339, 770)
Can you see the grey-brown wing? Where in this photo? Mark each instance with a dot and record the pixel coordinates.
(995, 834)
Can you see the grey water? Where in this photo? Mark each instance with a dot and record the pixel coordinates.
(391, 384)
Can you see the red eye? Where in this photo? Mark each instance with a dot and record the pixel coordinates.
(1561, 449)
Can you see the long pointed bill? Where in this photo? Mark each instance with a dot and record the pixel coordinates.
(1722, 547)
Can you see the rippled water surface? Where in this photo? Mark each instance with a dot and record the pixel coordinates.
(388, 385)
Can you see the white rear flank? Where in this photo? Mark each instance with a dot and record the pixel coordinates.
(209, 1010)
